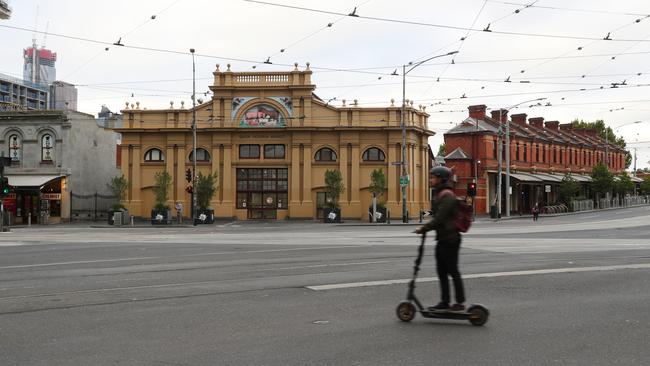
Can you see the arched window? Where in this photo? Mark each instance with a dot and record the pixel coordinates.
(373, 154)
(325, 154)
(15, 145)
(47, 148)
(201, 155)
(154, 155)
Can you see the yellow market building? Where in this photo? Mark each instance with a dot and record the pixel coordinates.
(270, 139)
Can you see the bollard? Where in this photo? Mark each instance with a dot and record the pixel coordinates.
(132, 223)
(388, 216)
(421, 216)
(29, 220)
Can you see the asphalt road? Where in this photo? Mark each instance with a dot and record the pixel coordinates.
(569, 290)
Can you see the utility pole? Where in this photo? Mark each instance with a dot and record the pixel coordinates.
(194, 208)
(404, 180)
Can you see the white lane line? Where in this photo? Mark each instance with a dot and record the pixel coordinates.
(482, 275)
(176, 256)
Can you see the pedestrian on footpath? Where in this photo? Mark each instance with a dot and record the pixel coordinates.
(444, 210)
(535, 211)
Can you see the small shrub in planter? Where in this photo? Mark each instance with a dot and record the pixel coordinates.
(205, 190)
(332, 214)
(334, 188)
(160, 214)
(380, 213)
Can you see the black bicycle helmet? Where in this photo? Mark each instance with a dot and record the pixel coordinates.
(441, 172)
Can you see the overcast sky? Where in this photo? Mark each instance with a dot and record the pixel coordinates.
(559, 46)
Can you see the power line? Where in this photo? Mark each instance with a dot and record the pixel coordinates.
(442, 25)
(569, 9)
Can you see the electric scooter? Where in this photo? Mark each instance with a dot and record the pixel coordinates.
(477, 314)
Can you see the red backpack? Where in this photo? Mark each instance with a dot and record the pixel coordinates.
(463, 219)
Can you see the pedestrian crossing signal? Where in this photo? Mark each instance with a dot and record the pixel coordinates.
(471, 189)
(5, 188)
(188, 175)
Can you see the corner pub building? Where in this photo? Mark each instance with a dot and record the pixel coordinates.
(270, 139)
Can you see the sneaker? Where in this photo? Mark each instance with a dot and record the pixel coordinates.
(441, 306)
(457, 307)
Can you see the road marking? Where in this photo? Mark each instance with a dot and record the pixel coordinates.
(482, 275)
(176, 256)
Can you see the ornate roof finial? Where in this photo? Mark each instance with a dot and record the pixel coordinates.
(392, 102)
(228, 67)
(217, 68)
(182, 104)
(307, 69)
(343, 102)
(127, 105)
(137, 105)
(355, 103)
(171, 104)
(295, 66)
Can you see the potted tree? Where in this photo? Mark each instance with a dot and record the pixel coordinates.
(160, 214)
(377, 187)
(205, 190)
(334, 188)
(118, 186)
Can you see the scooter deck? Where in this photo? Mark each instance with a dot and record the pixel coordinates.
(446, 314)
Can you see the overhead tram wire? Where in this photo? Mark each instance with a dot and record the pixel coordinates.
(323, 69)
(569, 9)
(469, 34)
(580, 48)
(284, 49)
(106, 49)
(424, 24)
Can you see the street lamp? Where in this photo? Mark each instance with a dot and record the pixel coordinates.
(404, 177)
(194, 208)
(507, 159)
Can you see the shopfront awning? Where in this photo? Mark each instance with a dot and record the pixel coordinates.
(525, 177)
(636, 179)
(581, 178)
(31, 180)
(549, 177)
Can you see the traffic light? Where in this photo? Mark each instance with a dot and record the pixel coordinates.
(471, 189)
(5, 188)
(188, 175)
(189, 189)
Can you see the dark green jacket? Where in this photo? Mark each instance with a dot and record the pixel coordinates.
(445, 209)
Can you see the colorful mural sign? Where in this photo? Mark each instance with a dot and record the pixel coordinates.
(262, 115)
(274, 119)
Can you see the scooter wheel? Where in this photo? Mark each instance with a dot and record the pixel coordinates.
(405, 311)
(477, 316)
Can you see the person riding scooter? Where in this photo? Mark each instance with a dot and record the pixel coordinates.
(444, 210)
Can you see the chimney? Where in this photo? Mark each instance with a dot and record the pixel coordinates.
(552, 125)
(566, 127)
(537, 122)
(477, 111)
(500, 114)
(519, 119)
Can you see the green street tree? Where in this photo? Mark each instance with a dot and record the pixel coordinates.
(624, 185)
(162, 183)
(569, 189)
(377, 187)
(606, 133)
(334, 187)
(118, 186)
(442, 150)
(602, 181)
(205, 189)
(645, 185)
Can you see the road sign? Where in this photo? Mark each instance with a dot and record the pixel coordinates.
(404, 180)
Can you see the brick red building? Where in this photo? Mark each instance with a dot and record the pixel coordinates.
(541, 154)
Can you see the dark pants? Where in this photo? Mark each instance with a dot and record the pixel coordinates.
(447, 265)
